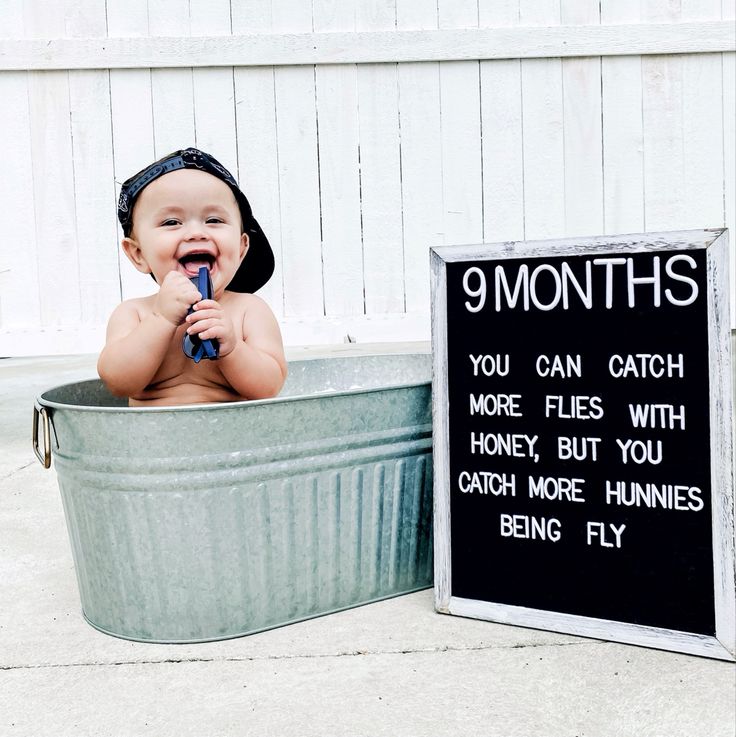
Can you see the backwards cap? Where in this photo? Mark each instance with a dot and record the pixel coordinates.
(257, 266)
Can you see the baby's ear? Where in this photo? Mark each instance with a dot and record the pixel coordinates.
(135, 255)
(244, 243)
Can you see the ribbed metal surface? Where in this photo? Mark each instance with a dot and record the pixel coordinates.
(206, 523)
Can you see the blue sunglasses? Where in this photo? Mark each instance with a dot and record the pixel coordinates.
(193, 346)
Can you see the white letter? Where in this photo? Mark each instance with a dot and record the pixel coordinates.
(480, 292)
(678, 277)
(568, 276)
(617, 532)
(614, 357)
(609, 263)
(558, 287)
(633, 281)
(522, 279)
(593, 533)
(476, 405)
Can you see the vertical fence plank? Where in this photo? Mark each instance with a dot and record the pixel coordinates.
(131, 107)
(703, 141)
(663, 130)
(53, 177)
(544, 157)
(214, 114)
(172, 91)
(214, 92)
(380, 171)
(462, 187)
(258, 165)
(94, 176)
(583, 136)
(702, 127)
(498, 13)
(461, 133)
(380, 167)
(127, 17)
(421, 162)
(172, 98)
(296, 118)
(19, 291)
(623, 137)
(339, 169)
(211, 17)
(19, 284)
(501, 141)
(95, 202)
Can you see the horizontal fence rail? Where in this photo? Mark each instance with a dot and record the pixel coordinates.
(294, 49)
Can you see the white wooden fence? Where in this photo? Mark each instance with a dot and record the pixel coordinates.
(363, 132)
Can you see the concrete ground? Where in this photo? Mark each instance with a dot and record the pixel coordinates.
(392, 668)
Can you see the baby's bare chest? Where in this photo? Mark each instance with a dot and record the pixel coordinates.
(178, 368)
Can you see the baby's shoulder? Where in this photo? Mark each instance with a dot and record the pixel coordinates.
(135, 307)
(253, 312)
(243, 302)
(130, 312)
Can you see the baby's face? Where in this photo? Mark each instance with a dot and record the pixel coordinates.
(187, 219)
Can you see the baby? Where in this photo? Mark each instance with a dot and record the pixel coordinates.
(180, 214)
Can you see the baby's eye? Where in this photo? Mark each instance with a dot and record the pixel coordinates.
(215, 220)
(170, 221)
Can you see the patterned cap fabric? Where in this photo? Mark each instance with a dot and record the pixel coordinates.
(258, 265)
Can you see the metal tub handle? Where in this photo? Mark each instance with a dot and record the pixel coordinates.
(44, 459)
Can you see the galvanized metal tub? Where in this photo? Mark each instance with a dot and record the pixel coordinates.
(207, 522)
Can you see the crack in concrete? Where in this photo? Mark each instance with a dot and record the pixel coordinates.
(16, 470)
(266, 658)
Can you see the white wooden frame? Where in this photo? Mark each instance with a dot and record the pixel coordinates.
(723, 645)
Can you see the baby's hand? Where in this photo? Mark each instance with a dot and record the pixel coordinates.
(176, 296)
(210, 321)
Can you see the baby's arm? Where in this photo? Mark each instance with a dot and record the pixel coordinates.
(136, 346)
(254, 366)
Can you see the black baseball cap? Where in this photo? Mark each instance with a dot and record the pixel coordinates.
(257, 266)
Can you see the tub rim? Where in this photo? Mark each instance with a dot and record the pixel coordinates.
(41, 401)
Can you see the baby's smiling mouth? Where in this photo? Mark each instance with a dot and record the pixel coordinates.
(192, 262)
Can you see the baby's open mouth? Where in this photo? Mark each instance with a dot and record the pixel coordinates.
(193, 262)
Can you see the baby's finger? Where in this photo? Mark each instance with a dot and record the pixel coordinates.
(199, 315)
(209, 334)
(201, 325)
(207, 304)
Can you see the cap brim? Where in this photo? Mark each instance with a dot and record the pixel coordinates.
(258, 265)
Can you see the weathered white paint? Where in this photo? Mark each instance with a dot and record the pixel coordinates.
(583, 135)
(381, 188)
(20, 301)
(365, 46)
(363, 133)
(599, 629)
(502, 133)
(462, 183)
(381, 212)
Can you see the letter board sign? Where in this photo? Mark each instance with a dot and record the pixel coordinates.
(583, 437)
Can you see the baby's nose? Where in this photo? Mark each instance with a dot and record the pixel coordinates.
(195, 232)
